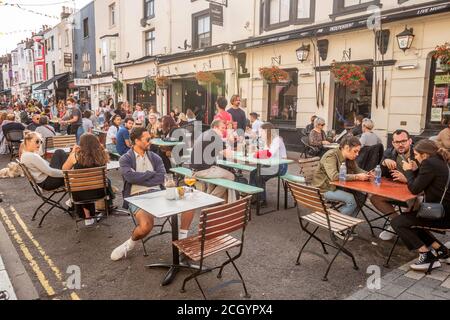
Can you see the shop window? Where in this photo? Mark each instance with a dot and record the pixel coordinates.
(283, 100)
(281, 13)
(149, 9)
(438, 111)
(349, 103)
(342, 7)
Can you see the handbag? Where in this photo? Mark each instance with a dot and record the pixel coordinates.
(434, 211)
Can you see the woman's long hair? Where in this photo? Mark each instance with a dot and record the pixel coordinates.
(168, 123)
(270, 132)
(91, 154)
(430, 148)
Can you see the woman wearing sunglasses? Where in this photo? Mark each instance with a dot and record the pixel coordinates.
(48, 176)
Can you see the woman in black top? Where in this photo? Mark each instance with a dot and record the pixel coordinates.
(168, 127)
(90, 154)
(430, 178)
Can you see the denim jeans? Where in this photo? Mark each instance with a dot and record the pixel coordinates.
(264, 178)
(350, 203)
(79, 133)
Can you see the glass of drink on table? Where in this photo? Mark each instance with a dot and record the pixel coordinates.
(190, 181)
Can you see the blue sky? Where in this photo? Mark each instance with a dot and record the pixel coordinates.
(21, 22)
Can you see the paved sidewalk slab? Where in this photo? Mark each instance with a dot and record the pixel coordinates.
(5, 283)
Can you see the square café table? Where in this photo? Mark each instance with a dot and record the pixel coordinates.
(158, 206)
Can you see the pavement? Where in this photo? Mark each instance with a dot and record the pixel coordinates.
(61, 268)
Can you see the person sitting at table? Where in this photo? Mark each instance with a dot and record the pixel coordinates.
(111, 139)
(392, 168)
(11, 124)
(35, 122)
(123, 143)
(87, 123)
(90, 154)
(357, 131)
(168, 127)
(275, 145)
(443, 138)
(143, 172)
(139, 114)
(430, 177)
(318, 137)
(46, 131)
(204, 164)
(182, 120)
(328, 171)
(48, 176)
(368, 137)
(153, 126)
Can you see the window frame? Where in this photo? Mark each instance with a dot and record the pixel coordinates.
(112, 15)
(149, 40)
(293, 20)
(294, 82)
(146, 4)
(339, 8)
(195, 18)
(86, 28)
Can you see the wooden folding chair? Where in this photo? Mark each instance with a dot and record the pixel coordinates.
(93, 179)
(56, 142)
(322, 218)
(45, 196)
(214, 237)
(308, 168)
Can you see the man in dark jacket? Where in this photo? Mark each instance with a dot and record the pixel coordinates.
(392, 168)
(143, 172)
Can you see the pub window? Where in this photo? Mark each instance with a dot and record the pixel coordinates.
(149, 9)
(350, 6)
(202, 31)
(85, 28)
(281, 13)
(150, 43)
(283, 100)
(438, 112)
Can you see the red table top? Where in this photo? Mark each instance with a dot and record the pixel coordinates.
(388, 189)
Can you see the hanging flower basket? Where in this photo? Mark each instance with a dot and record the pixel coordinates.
(443, 55)
(273, 74)
(349, 75)
(148, 85)
(118, 87)
(162, 82)
(204, 78)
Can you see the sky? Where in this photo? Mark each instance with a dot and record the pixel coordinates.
(17, 24)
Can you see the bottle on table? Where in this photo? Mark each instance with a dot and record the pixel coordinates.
(343, 173)
(377, 176)
(169, 184)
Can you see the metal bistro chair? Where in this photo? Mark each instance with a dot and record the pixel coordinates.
(14, 139)
(322, 218)
(93, 179)
(308, 168)
(60, 142)
(42, 194)
(214, 237)
(308, 150)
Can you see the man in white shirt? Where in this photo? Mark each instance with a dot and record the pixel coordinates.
(255, 122)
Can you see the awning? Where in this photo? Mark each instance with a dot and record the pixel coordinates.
(47, 83)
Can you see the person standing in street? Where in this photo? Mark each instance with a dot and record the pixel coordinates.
(238, 115)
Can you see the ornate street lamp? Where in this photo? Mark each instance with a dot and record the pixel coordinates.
(303, 52)
(405, 39)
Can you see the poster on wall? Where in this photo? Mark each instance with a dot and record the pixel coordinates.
(440, 96)
(436, 114)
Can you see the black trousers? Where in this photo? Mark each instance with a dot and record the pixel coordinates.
(416, 238)
(57, 162)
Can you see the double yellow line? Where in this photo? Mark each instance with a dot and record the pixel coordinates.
(32, 262)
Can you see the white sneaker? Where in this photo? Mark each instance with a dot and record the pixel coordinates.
(121, 251)
(343, 235)
(387, 236)
(89, 222)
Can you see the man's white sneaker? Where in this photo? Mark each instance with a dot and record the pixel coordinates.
(89, 222)
(386, 235)
(121, 251)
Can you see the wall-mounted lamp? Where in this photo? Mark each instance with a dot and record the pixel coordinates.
(405, 39)
(303, 52)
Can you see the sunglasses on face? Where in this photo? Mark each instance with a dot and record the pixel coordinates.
(37, 141)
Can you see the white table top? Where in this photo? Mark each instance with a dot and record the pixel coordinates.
(113, 165)
(265, 162)
(158, 206)
(331, 146)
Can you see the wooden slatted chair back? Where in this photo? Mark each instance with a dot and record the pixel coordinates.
(222, 220)
(61, 142)
(308, 197)
(86, 179)
(308, 168)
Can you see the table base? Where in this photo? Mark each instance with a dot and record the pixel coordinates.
(173, 270)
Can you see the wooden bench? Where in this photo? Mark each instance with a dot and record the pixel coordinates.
(244, 189)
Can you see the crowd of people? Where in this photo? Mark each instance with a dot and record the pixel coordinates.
(423, 167)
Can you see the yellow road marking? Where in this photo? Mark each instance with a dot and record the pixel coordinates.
(34, 266)
(47, 259)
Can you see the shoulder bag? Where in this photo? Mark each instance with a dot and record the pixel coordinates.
(434, 211)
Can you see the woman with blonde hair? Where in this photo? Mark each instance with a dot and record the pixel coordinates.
(48, 176)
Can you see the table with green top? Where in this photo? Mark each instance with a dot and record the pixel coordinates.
(240, 157)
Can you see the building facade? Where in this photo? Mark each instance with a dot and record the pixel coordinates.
(23, 69)
(84, 51)
(107, 41)
(6, 75)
